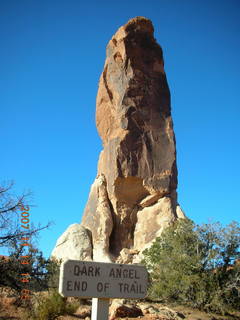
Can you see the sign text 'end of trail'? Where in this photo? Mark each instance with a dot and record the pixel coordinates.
(88, 279)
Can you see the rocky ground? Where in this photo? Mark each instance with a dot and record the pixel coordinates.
(122, 309)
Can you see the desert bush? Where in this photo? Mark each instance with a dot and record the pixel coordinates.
(44, 273)
(52, 273)
(195, 265)
(50, 307)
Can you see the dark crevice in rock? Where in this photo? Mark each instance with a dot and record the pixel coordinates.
(106, 83)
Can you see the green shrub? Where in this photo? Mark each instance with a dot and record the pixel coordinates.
(44, 273)
(50, 307)
(194, 265)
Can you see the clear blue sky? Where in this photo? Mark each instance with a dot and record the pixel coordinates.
(52, 54)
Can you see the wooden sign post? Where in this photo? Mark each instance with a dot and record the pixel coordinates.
(102, 281)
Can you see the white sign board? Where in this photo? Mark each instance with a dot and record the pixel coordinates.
(102, 280)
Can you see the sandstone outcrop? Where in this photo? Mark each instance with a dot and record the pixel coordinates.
(138, 161)
(75, 243)
(100, 223)
(134, 195)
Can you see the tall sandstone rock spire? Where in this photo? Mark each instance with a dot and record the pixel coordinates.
(134, 194)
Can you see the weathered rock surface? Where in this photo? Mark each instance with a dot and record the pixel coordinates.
(75, 243)
(163, 312)
(180, 213)
(120, 310)
(152, 220)
(138, 161)
(134, 194)
(100, 223)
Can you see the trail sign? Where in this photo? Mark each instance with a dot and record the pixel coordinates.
(102, 280)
